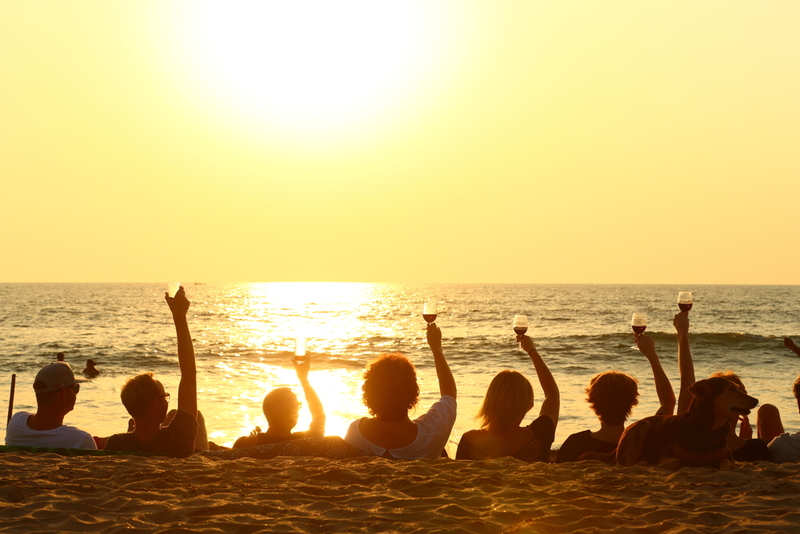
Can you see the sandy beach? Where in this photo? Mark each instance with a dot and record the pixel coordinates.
(50, 493)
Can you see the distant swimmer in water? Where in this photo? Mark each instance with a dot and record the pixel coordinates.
(91, 369)
(60, 357)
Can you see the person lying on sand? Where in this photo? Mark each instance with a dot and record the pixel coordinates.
(784, 447)
(508, 399)
(56, 392)
(147, 402)
(390, 391)
(612, 396)
(281, 409)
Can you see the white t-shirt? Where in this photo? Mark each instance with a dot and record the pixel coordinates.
(433, 430)
(785, 448)
(20, 434)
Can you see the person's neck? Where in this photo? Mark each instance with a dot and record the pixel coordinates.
(46, 419)
(279, 433)
(608, 432)
(145, 429)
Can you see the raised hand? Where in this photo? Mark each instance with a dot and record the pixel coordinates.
(179, 304)
(302, 367)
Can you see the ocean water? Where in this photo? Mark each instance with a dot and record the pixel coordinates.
(244, 338)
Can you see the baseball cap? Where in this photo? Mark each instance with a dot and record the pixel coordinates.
(54, 376)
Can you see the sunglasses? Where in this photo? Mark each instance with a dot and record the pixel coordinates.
(74, 387)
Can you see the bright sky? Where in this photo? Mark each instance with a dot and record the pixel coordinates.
(410, 141)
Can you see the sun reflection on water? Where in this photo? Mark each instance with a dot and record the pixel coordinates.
(266, 318)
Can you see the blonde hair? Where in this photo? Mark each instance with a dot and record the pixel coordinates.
(390, 386)
(730, 375)
(138, 392)
(612, 395)
(508, 398)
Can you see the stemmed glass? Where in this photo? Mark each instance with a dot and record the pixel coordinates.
(685, 300)
(172, 289)
(639, 325)
(299, 349)
(520, 324)
(429, 312)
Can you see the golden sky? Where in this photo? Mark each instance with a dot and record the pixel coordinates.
(427, 141)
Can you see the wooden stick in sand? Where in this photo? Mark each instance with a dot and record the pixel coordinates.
(11, 398)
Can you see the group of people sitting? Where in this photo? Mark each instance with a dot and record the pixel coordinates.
(390, 392)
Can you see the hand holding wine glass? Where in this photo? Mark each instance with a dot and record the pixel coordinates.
(685, 301)
(429, 312)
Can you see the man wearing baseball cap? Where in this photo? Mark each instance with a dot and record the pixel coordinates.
(56, 391)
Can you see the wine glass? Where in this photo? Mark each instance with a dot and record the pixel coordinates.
(299, 349)
(685, 300)
(429, 312)
(172, 289)
(639, 325)
(520, 324)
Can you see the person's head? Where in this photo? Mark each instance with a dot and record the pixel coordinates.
(390, 387)
(733, 377)
(60, 356)
(508, 399)
(281, 408)
(144, 396)
(56, 387)
(612, 395)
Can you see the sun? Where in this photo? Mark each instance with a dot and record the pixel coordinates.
(310, 67)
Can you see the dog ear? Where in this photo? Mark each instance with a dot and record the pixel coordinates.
(701, 389)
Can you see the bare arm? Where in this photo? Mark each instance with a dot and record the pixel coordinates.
(666, 396)
(447, 384)
(685, 363)
(187, 388)
(789, 344)
(317, 427)
(552, 398)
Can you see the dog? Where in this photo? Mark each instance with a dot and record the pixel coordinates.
(697, 437)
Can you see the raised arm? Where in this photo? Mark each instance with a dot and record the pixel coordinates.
(552, 398)
(789, 344)
(685, 363)
(447, 384)
(666, 396)
(317, 427)
(187, 389)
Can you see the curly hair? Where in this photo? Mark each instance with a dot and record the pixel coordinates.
(508, 398)
(390, 386)
(612, 395)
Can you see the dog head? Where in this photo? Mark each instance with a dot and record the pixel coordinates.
(726, 398)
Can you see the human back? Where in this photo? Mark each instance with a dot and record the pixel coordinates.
(390, 390)
(508, 399)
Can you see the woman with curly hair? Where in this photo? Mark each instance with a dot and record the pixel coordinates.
(508, 399)
(390, 391)
(612, 396)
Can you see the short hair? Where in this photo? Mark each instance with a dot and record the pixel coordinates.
(390, 386)
(508, 398)
(796, 388)
(732, 377)
(612, 396)
(277, 403)
(138, 392)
